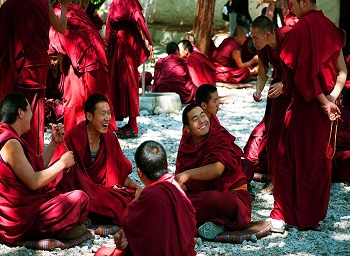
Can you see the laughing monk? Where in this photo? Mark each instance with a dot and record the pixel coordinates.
(101, 169)
(314, 73)
(29, 206)
(161, 221)
(208, 168)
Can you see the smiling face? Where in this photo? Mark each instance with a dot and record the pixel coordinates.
(183, 52)
(100, 119)
(198, 124)
(259, 39)
(212, 107)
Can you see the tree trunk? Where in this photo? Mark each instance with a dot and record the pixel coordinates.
(203, 23)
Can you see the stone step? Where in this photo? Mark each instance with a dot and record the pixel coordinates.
(160, 103)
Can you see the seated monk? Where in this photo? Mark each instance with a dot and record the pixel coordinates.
(230, 67)
(201, 69)
(29, 206)
(208, 168)
(101, 169)
(148, 80)
(171, 75)
(341, 159)
(161, 221)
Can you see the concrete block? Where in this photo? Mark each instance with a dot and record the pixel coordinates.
(160, 102)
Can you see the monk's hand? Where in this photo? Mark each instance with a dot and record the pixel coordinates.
(181, 178)
(275, 90)
(57, 133)
(68, 159)
(331, 110)
(257, 95)
(137, 192)
(120, 240)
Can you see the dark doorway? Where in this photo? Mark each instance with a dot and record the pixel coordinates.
(344, 23)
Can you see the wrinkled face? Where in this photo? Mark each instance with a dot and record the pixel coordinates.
(182, 51)
(212, 107)
(53, 61)
(100, 119)
(296, 8)
(259, 39)
(198, 124)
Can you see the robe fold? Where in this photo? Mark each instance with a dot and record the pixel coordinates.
(226, 67)
(303, 168)
(201, 69)
(126, 52)
(35, 214)
(24, 62)
(171, 74)
(96, 179)
(88, 72)
(218, 200)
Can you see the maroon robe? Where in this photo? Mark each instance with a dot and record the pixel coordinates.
(201, 69)
(96, 179)
(171, 75)
(219, 200)
(24, 62)
(341, 160)
(126, 52)
(226, 67)
(34, 214)
(212, 49)
(88, 72)
(54, 92)
(303, 173)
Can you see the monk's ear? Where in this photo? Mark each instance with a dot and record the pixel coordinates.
(89, 116)
(187, 128)
(20, 113)
(204, 105)
(139, 173)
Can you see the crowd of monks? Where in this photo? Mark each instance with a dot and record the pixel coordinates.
(55, 68)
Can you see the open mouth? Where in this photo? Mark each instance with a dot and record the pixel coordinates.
(105, 125)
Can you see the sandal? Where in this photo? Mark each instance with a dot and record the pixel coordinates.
(126, 132)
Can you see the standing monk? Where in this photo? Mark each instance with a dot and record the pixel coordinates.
(129, 45)
(88, 72)
(24, 62)
(314, 74)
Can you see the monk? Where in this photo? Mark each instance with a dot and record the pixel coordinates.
(341, 159)
(228, 61)
(315, 78)
(29, 206)
(162, 212)
(129, 45)
(208, 168)
(268, 42)
(24, 62)
(88, 72)
(101, 169)
(201, 69)
(171, 74)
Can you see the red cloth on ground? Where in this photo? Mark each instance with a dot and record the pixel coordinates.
(216, 200)
(303, 173)
(88, 72)
(171, 75)
(96, 179)
(341, 160)
(24, 61)
(34, 213)
(226, 68)
(201, 69)
(126, 50)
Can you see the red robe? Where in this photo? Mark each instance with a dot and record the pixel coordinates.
(347, 62)
(171, 75)
(217, 200)
(303, 173)
(341, 160)
(24, 62)
(54, 91)
(226, 68)
(88, 72)
(212, 49)
(126, 52)
(34, 214)
(201, 69)
(96, 179)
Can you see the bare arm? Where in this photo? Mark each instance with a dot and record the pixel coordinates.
(341, 79)
(131, 184)
(236, 55)
(260, 84)
(60, 24)
(207, 172)
(57, 133)
(12, 152)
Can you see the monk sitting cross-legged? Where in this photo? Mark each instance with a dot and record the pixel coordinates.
(208, 167)
(101, 169)
(29, 206)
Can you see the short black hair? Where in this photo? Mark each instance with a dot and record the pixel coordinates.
(204, 93)
(187, 109)
(90, 104)
(151, 159)
(171, 48)
(187, 45)
(263, 24)
(10, 105)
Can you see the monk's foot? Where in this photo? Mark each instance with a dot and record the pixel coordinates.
(277, 226)
(268, 187)
(75, 232)
(210, 230)
(126, 132)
